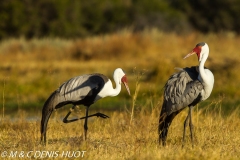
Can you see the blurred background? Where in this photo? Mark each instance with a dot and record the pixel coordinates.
(44, 43)
(79, 18)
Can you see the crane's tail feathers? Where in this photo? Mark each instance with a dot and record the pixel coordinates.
(165, 121)
(164, 125)
(161, 127)
(44, 122)
(47, 110)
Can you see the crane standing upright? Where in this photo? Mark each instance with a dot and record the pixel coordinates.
(186, 88)
(82, 90)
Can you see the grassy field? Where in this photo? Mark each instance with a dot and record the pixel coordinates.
(216, 137)
(31, 69)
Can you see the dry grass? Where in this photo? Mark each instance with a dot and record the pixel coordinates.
(216, 137)
(31, 70)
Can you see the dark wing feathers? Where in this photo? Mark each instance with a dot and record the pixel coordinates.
(182, 89)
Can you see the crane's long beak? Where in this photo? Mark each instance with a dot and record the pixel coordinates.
(126, 85)
(189, 54)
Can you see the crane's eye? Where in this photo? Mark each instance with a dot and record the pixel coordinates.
(124, 78)
(197, 50)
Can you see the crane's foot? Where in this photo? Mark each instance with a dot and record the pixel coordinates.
(85, 134)
(101, 115)
(96, 115)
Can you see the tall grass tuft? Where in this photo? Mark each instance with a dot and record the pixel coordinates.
(138, 76)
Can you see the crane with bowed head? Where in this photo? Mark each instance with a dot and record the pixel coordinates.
(82, 90)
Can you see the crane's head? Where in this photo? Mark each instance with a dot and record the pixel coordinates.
(200, 49)
(124, 81)
(122, 78)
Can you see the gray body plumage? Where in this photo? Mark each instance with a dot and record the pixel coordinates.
(78, 88)
(181, 90)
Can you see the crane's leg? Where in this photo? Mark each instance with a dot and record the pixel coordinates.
(191, 125)
(184, 128)
(65, 119)
(189, 117)
(95, 115)
(85, 124)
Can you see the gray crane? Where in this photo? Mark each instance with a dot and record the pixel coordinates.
(186, 88)
(82, 90)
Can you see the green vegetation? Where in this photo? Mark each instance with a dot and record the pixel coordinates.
(81, 18)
